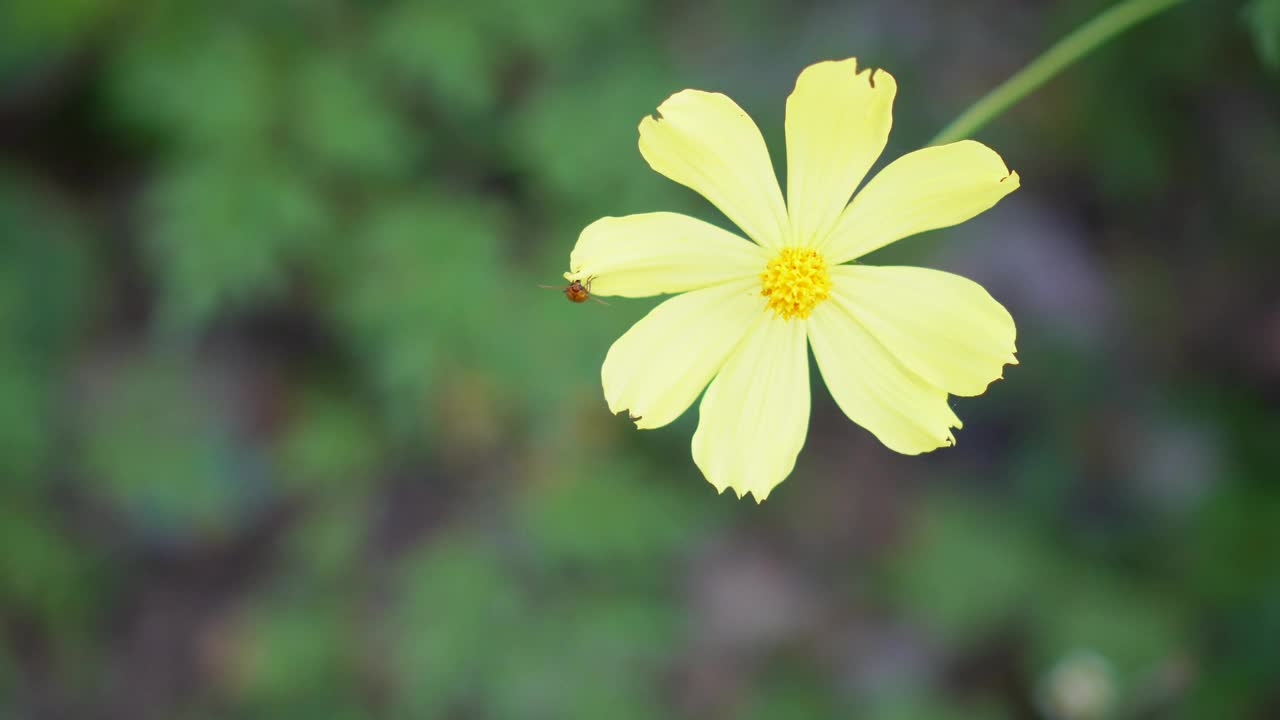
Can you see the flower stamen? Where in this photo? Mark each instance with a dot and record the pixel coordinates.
(795, 281)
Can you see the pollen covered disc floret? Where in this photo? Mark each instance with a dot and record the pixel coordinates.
(795, 281)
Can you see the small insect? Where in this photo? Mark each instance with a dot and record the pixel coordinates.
(577, 291)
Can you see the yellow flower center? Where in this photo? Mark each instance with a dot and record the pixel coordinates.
(795, 281)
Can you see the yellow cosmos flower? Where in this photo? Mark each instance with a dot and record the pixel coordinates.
(891, 342)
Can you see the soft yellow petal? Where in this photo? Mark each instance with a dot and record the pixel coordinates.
(662, 252)
(946, 328)
(906, 412)
(838, 120)
(704, 141)
(754, 417)
(928, 189)
(657, 368)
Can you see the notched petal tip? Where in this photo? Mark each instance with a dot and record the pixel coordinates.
(996, 160)
(638, 420)
(947, 441)
(875, 77)
(652, 120)
(759, 495)
(1009, 361)
(618, 409)
(879, 79)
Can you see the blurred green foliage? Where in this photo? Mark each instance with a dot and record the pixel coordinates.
(288, 430)
(1263, 18)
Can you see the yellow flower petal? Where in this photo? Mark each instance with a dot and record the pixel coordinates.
(662, 252)
(906, 412)
(928, 189)
(704, 141)
(754, 417)
(838, 121)
(658, 367)
(944, 327)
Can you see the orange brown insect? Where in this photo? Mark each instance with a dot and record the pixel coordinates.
(576, 291)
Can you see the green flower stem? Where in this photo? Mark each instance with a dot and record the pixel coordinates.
(1085, 39)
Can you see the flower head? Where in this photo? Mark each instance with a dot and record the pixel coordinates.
(892, 343)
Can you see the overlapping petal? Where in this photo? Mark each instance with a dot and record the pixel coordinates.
(838, 121)
(945, 328)
(903, 410)
(704, 141)
(658, 367)
(928, 189)
(661, 252)
(755, 415)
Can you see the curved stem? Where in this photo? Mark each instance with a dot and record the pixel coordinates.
(1069, 49)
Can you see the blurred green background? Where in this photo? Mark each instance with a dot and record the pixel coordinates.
(288, 430)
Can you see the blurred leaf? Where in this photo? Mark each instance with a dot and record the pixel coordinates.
(50, 20)
(324, 547)
(1130, 149)
(1243, 524)
(327, 459)
(44, 286)
(1263, 19)
(26, 414)
(156, 450)
(221, 233)
(8, 682)
(612, 518)
(45, 277)
(329, 450)
(580, 137)
(293, 654)
(47, 576)
(968, 568)
(935, 707)
(473, 638)
(1229, 575)
(344, 121)
(461, 52)
(38, 31)
(442, 46)
(186, 76)
(794, 690)
(558, 27)
(589, 658)
(420, 291)
(457, 611)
